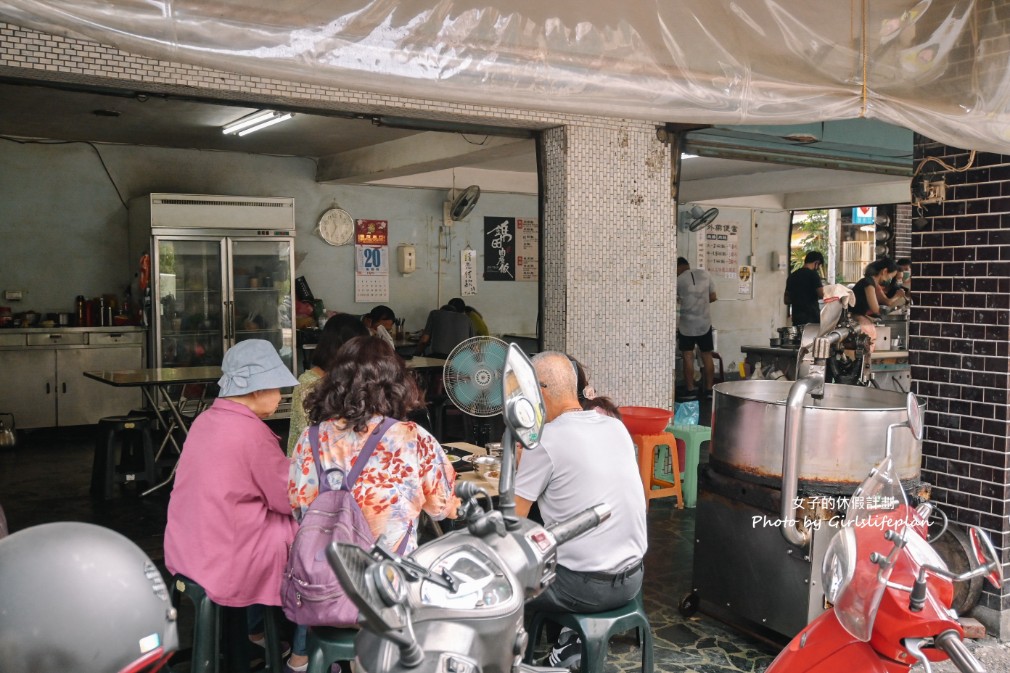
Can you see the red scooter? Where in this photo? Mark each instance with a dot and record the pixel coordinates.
(890, 591)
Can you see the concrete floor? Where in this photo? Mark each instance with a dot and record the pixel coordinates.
(46, 478)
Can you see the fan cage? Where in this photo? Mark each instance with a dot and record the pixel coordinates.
(472, 376)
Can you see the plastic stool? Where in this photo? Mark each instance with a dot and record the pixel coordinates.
(136, 456)
(596, 630)
(647, 445)
(215, 625)
(694, 436)
(327, 645)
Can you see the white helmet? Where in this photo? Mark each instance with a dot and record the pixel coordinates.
(78, 597)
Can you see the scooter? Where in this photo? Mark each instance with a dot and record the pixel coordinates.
(890, 591)
(456, 604)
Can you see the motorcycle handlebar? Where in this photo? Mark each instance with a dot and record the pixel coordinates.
(580, 523)
(950, 642)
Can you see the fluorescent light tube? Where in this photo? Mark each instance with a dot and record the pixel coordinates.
(270, 122)
(249, 120)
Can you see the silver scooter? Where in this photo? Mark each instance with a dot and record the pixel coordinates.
(456, 604)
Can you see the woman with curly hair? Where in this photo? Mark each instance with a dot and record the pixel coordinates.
(407, 473)
(366, 384)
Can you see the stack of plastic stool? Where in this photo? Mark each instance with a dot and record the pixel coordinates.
(693, 436)
(132, 435)
(596, 630)
(647, 445)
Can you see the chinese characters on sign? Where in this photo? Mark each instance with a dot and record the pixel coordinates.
(511, 249)
(467, 272)
(719, 250)
(371, 268)
(528, 250)
(499, 248)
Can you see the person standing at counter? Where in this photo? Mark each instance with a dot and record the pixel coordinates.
(804, 289)
(867, 307)
(901, 281)
(695, 292)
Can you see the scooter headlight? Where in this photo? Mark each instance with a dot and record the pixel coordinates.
(839, 564)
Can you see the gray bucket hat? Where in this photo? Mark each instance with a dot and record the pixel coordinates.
(253, 365)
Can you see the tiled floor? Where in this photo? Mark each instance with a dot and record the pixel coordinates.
(46, 478)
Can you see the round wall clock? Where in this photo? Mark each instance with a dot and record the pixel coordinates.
(336, 226)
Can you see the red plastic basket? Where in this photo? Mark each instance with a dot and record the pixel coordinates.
(645, 420)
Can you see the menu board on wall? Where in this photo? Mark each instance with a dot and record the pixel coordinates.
(719, 249)
(511, 249)
(528, 250)
(499, 248)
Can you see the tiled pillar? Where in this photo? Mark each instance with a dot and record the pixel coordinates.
(959, 351)
(610, 253)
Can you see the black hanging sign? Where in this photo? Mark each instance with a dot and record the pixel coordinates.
(499, 248)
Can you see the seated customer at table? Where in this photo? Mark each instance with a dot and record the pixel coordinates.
(445, 329)
(338, 329)
(379, 322)
(407, 473)
(588, 398)
(229, 521)
(585, 458)
(479, 326)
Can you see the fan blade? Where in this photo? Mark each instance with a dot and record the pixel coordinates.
(466, 394)
(465, 360)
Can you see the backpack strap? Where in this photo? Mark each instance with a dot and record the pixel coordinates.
(366, 452)
(359, 464)
(314, 443)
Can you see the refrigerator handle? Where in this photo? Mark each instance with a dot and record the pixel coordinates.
(229, 320)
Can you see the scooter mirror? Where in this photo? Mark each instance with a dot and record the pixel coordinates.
(523, 402)
(986, 555)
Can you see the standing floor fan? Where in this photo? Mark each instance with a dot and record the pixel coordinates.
(473, 381)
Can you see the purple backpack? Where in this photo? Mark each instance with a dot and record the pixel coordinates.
(310, 592)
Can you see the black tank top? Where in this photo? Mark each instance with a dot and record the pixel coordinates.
(862, 306)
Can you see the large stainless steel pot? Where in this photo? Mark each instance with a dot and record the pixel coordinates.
(842, 435)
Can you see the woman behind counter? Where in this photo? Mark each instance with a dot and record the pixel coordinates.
(867, 292)
(337, 330)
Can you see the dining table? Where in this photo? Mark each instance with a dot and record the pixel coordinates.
(164, 389)
(456, 448)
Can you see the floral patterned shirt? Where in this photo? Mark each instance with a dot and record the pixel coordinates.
(407, 473)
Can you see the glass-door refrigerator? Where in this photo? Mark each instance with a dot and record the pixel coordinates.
(214, 292)
(213, 286)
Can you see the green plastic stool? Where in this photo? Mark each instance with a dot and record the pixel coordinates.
(220, 634)
(694, 436)
(596, 630)
(327, 646)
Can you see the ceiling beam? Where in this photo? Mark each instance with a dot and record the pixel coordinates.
(803, 188)
(420, 153)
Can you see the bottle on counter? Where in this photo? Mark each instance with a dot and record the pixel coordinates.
(80, 311)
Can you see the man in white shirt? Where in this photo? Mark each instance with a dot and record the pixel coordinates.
(585, 458)
(695, 291)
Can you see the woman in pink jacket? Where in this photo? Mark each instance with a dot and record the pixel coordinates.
(229, 520)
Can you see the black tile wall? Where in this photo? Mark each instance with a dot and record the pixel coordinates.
(959, 341)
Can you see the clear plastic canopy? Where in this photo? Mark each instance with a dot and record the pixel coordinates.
(939, 67)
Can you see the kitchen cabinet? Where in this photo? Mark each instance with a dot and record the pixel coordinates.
(42, 377)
